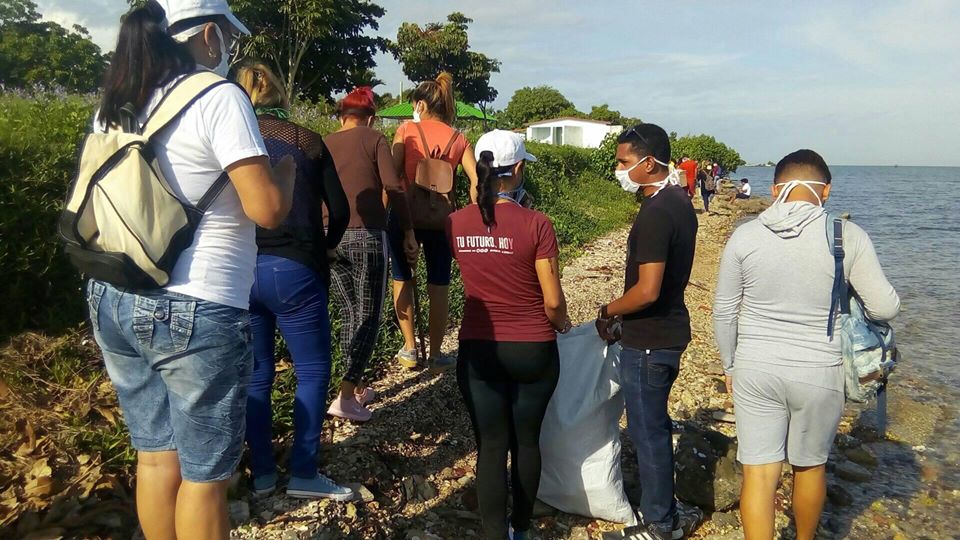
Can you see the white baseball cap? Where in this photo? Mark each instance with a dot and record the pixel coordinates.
(506, 146)
(181, 10)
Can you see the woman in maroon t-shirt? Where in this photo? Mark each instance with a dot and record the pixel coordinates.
(508, 363)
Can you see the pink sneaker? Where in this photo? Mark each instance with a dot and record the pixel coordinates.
(366, 396)
(349, 409)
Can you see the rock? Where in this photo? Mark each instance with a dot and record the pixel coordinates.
(725, 520)
(723, 416)
(360, 492)
(579, 533)
(861, 456)
(838, 495)
(929, 473)
(852, 472)
(425, 490)
(708, 474)
(290, 535)
(239, 511)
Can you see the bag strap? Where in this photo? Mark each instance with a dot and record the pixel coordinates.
(179, 98)
(839, 293)
(423, 141)
(453, 139)
(211, 195)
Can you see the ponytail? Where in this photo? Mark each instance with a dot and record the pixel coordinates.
(438, 95)
(146, 58)
(486, 192)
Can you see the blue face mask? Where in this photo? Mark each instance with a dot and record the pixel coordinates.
(515, 195)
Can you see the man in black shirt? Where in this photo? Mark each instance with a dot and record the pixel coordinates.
(655, 321)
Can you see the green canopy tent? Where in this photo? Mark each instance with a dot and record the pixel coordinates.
(404, 111)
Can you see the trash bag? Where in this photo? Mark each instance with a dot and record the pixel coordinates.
(580, 438)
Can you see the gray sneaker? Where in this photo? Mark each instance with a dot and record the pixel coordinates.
(407, 358)
(441, 364)
(318, 487)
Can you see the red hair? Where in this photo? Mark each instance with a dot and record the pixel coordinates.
(359, 102)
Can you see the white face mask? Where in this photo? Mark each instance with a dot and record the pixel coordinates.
(628, 185)
(788, 187)
(416, 114)
(223, 68)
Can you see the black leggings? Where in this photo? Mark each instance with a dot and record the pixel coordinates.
(506, 387)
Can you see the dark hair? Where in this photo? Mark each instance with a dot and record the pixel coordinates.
(647, 140)
(486, 191)
(804, 157)
(744, 180)
(438, 95)
(146, 58)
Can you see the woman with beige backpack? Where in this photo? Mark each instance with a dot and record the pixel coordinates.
(426, 153)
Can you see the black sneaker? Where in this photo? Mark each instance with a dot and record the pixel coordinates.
(643, 532)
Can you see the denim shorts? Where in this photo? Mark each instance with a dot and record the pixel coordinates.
(436, 254)
(180, 366)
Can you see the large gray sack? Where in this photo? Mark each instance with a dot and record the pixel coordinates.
(580, 439)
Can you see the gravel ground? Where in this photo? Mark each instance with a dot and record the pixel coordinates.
(413, 463)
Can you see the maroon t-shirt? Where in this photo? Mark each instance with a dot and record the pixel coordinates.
(498, 266)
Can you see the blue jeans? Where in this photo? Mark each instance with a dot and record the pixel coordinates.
(646, 378)
(180, 366)
(292, 296)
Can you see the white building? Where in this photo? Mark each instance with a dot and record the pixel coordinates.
(571, 131)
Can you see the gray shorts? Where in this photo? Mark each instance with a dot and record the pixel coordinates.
(779, 420)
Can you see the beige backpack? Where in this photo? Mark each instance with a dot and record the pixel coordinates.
(122, 223)
(432, 199)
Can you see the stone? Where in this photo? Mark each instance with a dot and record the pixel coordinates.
(239, 511)
(707, 472)
(579, 533)
(838, 495)
(852, 472)
(290, 535)
(360, 492)
(725, 520)
(425, 490)
(861, 456)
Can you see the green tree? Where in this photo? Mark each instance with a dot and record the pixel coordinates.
(705, 147)
(317, 47)
(536, 103)
(33, 52)
(604, 113)
(425, 52)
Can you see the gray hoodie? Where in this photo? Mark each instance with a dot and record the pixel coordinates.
(773, 294)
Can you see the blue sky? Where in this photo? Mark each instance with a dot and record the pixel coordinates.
(862, 82)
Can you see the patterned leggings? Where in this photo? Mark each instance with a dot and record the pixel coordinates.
(358, 283)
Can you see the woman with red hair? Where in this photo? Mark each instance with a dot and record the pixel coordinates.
(359, 271)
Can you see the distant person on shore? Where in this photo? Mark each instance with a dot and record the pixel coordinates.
(434, 110)
(708, 186)
(655, 320)
(179, 356)
(743, 192)
(770, 316)
(290, 292)
(689, 168)
(359, 270)
(509, 363)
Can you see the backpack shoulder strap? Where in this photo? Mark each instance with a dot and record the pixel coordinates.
(834, 225)
(453, 139)
(423, 140)
(213, 192)
(183, 94)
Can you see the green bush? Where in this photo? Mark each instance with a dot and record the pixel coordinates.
(604, 159)
(39, 139)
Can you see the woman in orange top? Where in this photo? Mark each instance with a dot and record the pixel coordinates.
(434, 109)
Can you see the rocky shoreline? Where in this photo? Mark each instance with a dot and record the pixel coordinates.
(413, 463)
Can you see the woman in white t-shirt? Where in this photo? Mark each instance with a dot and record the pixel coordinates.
(180, 357)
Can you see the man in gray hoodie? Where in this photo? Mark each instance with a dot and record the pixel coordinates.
(770, 316)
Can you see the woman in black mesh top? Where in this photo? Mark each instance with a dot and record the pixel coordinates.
(290, 291)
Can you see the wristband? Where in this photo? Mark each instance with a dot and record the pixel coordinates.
(603, 312)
